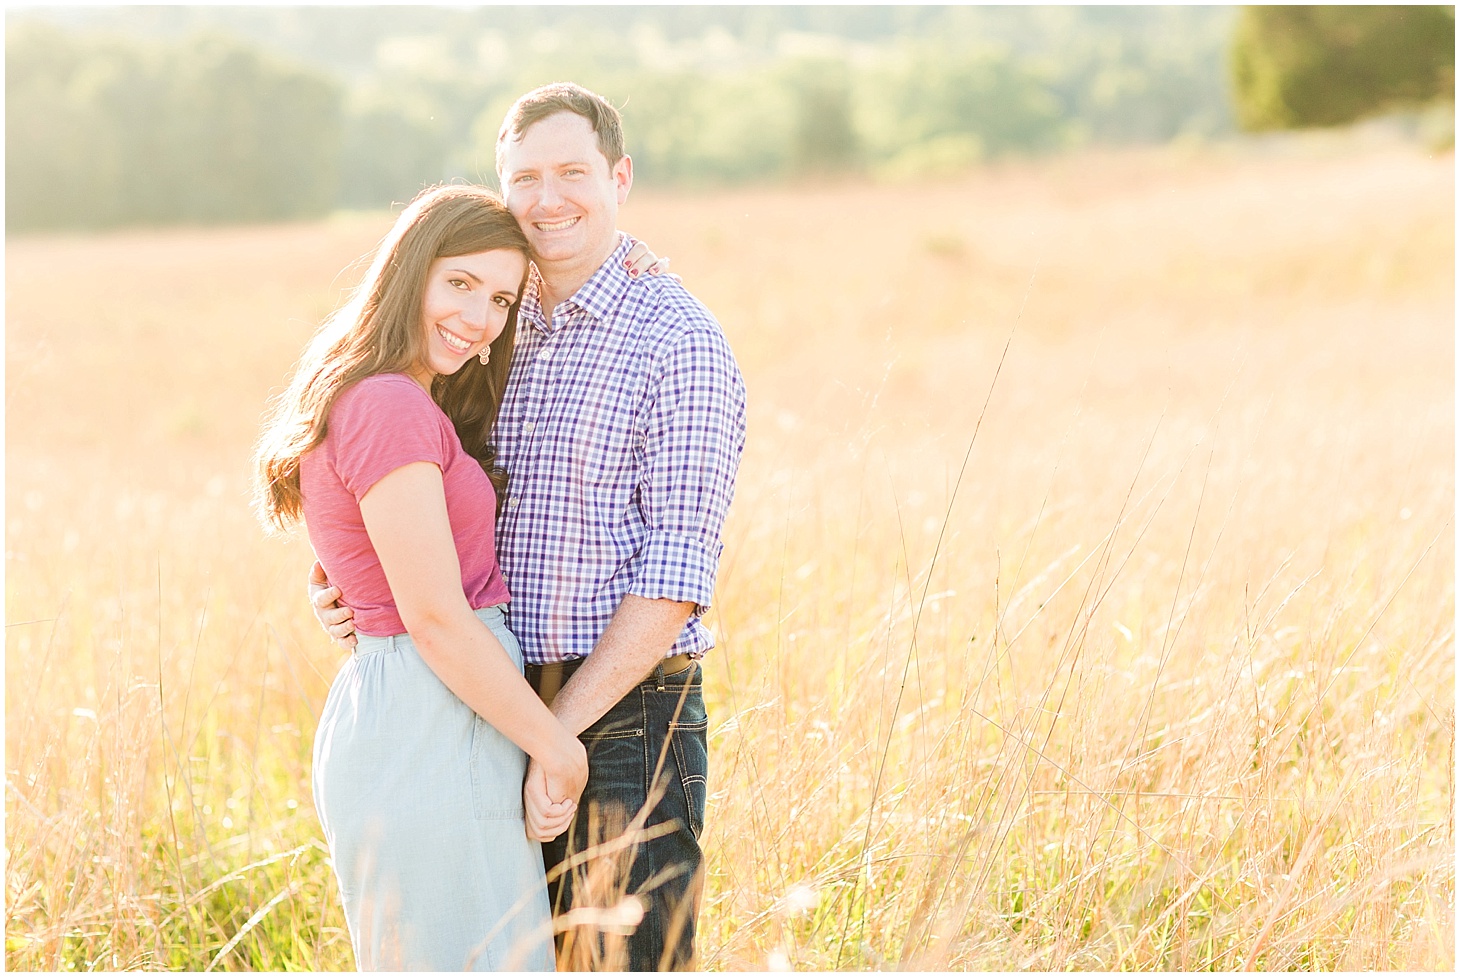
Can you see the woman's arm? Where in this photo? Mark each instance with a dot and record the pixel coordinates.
(405, 516)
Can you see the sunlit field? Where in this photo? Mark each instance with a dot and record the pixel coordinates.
(1087, 599)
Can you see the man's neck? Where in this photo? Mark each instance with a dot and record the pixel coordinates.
(560, 279)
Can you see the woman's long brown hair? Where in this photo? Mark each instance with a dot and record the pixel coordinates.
(379, 330)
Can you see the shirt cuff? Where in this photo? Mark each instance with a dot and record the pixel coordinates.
(679, 567)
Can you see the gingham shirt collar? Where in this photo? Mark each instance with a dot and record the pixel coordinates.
(598, 296)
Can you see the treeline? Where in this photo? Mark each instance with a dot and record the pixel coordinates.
(104, 131)
(158, 115)
(204, 114)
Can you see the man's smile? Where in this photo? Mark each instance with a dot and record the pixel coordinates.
(556, 225)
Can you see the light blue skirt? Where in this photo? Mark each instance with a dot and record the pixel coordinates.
(421, 802)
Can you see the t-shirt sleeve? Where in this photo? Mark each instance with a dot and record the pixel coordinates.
(381, 424)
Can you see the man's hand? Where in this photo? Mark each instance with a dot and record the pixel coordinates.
(545, 817)
(636, 638)
(337, 619)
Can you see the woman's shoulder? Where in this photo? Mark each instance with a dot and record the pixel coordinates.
(383, 421)
(390, 391)
(386, 386)
(385, 405)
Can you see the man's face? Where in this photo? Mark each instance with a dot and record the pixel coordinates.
(562, 190)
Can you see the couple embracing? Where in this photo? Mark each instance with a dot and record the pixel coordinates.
(513, 449)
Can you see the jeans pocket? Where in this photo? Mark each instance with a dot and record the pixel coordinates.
(615, 746)
(689, 740)
(498, 767)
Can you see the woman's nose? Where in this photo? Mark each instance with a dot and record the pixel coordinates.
(475, 313)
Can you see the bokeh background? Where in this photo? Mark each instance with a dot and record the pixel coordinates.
(1088, 596)
(160, 114)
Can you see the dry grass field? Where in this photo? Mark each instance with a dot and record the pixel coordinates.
(1155, 672)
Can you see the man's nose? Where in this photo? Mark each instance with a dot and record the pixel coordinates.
(549, 196)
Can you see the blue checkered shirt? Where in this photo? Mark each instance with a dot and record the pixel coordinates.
(621, 431)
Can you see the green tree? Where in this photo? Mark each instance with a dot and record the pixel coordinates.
(63, 163)
(392, 147)
(939, 106)
(823, 139)
(249, 137)
(104, 131)
(1297, 67)
(697, 129)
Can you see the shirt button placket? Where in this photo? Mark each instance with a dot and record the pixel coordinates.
(544, 360)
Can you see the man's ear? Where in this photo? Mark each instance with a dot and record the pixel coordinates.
(623, 177)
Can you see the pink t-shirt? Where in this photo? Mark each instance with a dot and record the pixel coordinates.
(382, 423)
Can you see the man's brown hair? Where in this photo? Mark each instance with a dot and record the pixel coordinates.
(564, 96)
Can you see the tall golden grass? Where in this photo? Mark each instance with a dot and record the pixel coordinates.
(1087, 600)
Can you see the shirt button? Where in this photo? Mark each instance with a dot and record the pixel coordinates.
(512, 503)
(527, 427)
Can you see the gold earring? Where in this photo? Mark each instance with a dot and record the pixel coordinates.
(485, 355)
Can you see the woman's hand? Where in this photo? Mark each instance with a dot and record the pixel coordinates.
(337, 620)
(544, 819)
(552, 787)
(641, 261)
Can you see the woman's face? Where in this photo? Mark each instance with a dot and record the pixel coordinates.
(465, 306)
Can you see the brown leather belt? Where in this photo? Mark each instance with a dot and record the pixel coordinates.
(547, 680)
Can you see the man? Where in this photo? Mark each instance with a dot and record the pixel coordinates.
(621, 430)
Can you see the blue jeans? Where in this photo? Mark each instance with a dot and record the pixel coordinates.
(647, 763)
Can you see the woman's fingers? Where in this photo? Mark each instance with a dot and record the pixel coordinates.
(641, 261)
(543, 817)
(547, 830)
(337, 620)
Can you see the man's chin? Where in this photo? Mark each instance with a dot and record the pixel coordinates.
(554, 251)
(573, 252)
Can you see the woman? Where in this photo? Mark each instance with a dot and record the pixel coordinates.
(421, 748)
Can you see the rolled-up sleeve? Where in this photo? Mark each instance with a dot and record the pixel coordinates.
(693, 436)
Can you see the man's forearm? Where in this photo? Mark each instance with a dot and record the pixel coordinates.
(640, 634)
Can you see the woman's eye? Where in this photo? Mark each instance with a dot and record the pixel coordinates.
(504, 301)
(458, 283)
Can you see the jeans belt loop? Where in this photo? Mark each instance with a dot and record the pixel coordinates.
(672, 665)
